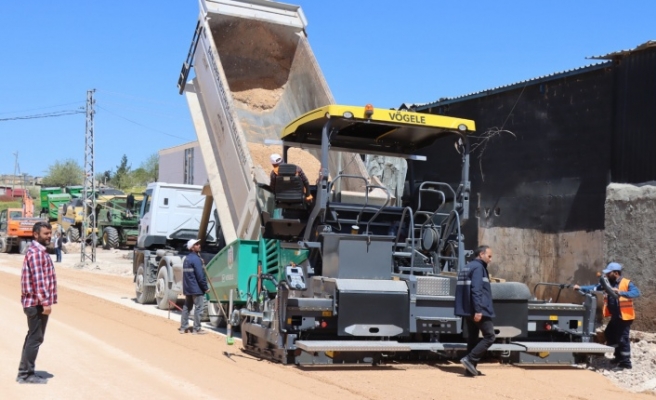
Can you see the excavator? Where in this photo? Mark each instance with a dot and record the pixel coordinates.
(351, 276)
(16, 226)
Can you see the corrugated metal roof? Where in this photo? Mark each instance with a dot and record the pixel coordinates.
(555, 75)
(624, 53)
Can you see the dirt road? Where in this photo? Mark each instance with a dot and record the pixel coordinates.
(100, 345)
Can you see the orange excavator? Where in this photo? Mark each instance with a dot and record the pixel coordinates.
(16, 226)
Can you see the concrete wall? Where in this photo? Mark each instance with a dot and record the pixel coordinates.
(171, 165)
(629, 239)
(531, 256)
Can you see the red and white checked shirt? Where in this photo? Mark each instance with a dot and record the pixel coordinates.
(38, 279)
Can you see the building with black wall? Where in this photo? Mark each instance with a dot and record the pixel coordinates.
(545, 150)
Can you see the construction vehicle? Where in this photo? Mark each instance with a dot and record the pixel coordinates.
(170, 215)
(119, 221)
(346, 278)
(71, 215)
(49, 207)
(16, 226)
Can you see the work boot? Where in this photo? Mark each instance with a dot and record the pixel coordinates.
(182, 330)
(32, 379)
(467, 373)
(471, 368)
(621, 368)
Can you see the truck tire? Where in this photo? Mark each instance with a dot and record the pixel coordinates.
(145, 294)
(23, 245)
(162, 292)
(217, 319)
(110, 239)
(3, 246)
(73, 235)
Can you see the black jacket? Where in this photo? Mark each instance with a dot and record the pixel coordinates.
(473, 290)
(193, 276)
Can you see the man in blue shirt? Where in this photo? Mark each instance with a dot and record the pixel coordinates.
(194, 287)
(473, 303)
(621, 312)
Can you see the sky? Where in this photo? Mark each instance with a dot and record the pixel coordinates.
(381, 52)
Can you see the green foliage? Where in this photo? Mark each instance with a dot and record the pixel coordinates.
(122, 177)
(151, 166)
(11, 204)
(66, 173)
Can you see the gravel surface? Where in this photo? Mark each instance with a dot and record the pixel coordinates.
(640, 379)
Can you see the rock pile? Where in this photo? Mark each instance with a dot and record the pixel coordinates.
(642, 377)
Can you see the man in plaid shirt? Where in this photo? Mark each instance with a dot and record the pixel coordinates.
(39, 293)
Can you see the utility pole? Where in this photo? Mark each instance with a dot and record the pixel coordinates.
(89, 192)
(16, 170)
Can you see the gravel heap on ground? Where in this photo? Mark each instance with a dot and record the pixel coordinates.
(642, 378)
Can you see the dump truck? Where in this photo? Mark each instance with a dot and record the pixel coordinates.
(351, 276)
(170, 215)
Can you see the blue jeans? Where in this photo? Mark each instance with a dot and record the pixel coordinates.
(58, 252)
(196, 302)
(36, 325)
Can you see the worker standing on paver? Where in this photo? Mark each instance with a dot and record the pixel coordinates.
(474, 304)
(38, 294)
(276, 160)
(621, 313)
(194, 287)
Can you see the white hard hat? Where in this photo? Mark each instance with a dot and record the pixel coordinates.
(276, 159)
(191, 243)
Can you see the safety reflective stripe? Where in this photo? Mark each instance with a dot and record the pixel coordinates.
(627, 312)
(468, 282)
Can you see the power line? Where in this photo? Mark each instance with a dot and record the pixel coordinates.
(40, 108)
(141, 125)
(45, 115)
(144, 99)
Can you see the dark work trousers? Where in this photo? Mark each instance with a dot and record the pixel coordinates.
(476, 348)
(58, 252)
(617, 336)
(36, 324)
(197, 302)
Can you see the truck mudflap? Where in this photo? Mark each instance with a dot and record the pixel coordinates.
(395, 346)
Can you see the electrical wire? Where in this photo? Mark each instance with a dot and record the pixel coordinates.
(40, 108)
(46, 115)
(139, 124)
(128, 96)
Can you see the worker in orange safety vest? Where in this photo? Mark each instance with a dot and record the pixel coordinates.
(621, 313)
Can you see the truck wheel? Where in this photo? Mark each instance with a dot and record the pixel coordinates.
(145, 294)
(73, 235)
(162, 292)
(23, 245)
(3, 246)
(110, 238)
(217, 319)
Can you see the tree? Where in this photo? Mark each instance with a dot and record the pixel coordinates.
(121, 178)
(151, 167)
(66, 173)
(105, 177)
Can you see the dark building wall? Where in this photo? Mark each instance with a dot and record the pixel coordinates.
(550, 173)
(634, 141)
